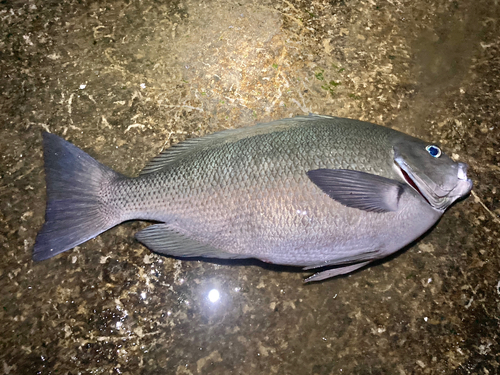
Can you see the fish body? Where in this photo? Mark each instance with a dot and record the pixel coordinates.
(308, 191)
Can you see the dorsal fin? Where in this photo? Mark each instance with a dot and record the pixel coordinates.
(184, 148)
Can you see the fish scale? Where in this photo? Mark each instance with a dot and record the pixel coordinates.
(309, 191)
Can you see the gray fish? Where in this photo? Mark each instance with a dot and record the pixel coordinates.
(310, 191)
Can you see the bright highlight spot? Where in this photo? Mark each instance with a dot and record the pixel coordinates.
(213, 295)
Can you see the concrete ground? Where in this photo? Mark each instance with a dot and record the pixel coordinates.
(125, 79)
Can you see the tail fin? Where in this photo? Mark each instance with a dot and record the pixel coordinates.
(75, 211)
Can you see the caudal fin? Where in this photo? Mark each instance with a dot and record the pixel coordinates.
(75, 210)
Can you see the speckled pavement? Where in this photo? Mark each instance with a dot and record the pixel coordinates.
(126, 79)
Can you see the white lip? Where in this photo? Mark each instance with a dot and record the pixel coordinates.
(462, 171)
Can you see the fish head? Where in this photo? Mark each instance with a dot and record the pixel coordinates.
(431, 172)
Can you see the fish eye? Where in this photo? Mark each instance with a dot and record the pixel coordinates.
(434, 151)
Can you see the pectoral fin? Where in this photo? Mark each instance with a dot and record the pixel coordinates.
(360, 190)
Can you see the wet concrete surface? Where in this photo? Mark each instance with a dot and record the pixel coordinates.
(125, 79)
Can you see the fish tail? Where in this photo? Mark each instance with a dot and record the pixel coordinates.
(76, 186)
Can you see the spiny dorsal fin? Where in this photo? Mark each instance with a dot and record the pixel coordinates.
(182, 149)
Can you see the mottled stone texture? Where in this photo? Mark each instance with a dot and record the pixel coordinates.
(126, 79)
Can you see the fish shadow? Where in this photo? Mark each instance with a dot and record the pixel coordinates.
(293, 269)
(241, 263)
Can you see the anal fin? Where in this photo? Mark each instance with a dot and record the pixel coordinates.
(163, 239)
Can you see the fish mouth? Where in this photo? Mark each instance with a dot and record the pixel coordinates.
(437, 196)
(410, 181)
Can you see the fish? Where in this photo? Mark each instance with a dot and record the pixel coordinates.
(316, 192)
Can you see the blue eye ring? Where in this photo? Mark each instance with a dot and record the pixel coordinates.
(433, 151)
